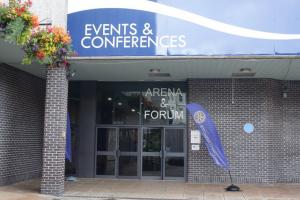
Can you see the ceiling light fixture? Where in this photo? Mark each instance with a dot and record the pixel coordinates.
(154, 70)
(244, 72)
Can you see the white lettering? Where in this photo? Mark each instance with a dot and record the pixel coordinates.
(133, 30)
(163, 114)
(135, 41)
(126, 36)
(173, 41)
(182, 42)
(162, 44)
(97, 39)
(156, 92)
(97, 30)
(164, 92)
(87, 29)
(146, 113)
(83, 44)
(148, 92)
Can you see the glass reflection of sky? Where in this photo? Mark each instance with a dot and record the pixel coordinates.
(262, 15)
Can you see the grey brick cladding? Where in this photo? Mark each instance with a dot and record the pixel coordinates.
(56, 102)
(21, 125)
(272, 153)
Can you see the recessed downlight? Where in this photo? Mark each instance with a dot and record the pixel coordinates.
(245, 70)
(154, 70)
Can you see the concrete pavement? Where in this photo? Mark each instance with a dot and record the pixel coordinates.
(96, 189)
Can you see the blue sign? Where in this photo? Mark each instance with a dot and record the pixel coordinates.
(206, 126)
(184, 27)
(68, 139)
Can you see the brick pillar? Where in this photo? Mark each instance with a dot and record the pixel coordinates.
(55, 132)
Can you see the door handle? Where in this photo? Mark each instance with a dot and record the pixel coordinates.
(117, 153)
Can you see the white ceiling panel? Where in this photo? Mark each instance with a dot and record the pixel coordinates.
(180, 68)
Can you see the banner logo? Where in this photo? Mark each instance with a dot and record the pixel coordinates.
(199, 117)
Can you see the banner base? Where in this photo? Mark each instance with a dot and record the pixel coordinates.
(232, 188)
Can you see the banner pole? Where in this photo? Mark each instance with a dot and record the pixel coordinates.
(232, 187)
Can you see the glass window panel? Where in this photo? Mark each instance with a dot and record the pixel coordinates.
(127, 108)
(105, 108)
(128, 139)
(152, 140)
(105, 165)
(118, 108)
(127, 166)
(174, 167)
(164, 110)
(106, 139)
(174, 140)
(151, 166)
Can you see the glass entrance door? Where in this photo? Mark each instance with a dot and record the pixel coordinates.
(127, 153)
(106, 160)
(130, 152)
(117, 152)
(152, 153)
(174, 153)
(163, 153)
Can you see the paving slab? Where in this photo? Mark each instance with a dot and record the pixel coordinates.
(104, 189)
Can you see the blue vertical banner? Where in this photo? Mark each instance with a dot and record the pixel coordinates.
(207, 127)
(68, 139)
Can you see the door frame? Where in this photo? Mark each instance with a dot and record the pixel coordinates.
(152, 154)
(175, 154)
(139, 151)
(116, 153)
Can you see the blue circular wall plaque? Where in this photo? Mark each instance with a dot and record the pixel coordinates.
(248, 128)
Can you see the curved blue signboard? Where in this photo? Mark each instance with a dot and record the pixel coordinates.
(184, 27)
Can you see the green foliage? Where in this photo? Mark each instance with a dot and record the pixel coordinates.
(14, 32)
(3, 10)
(16, 22)
(18, 25)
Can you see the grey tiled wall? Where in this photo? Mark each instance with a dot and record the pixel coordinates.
(272, 153)
(21, 125)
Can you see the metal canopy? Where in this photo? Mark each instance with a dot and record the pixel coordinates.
(179, 68)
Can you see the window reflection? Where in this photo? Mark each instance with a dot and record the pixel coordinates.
(140, 106)
(169, 110)
(119, 108)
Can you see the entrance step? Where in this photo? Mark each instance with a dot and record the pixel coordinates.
(116, 198)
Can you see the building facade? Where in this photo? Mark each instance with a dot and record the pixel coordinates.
(139, 64)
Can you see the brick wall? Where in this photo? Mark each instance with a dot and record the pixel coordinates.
(290, 137)
(21, 125)
(271, 153)
(55, 132)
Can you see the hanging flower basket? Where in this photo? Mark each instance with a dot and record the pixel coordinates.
(16, 22)
(50, 46)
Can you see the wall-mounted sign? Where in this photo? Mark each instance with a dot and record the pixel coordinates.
(183, 27)
(248, 128)
(195, 147)
(195, 137)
